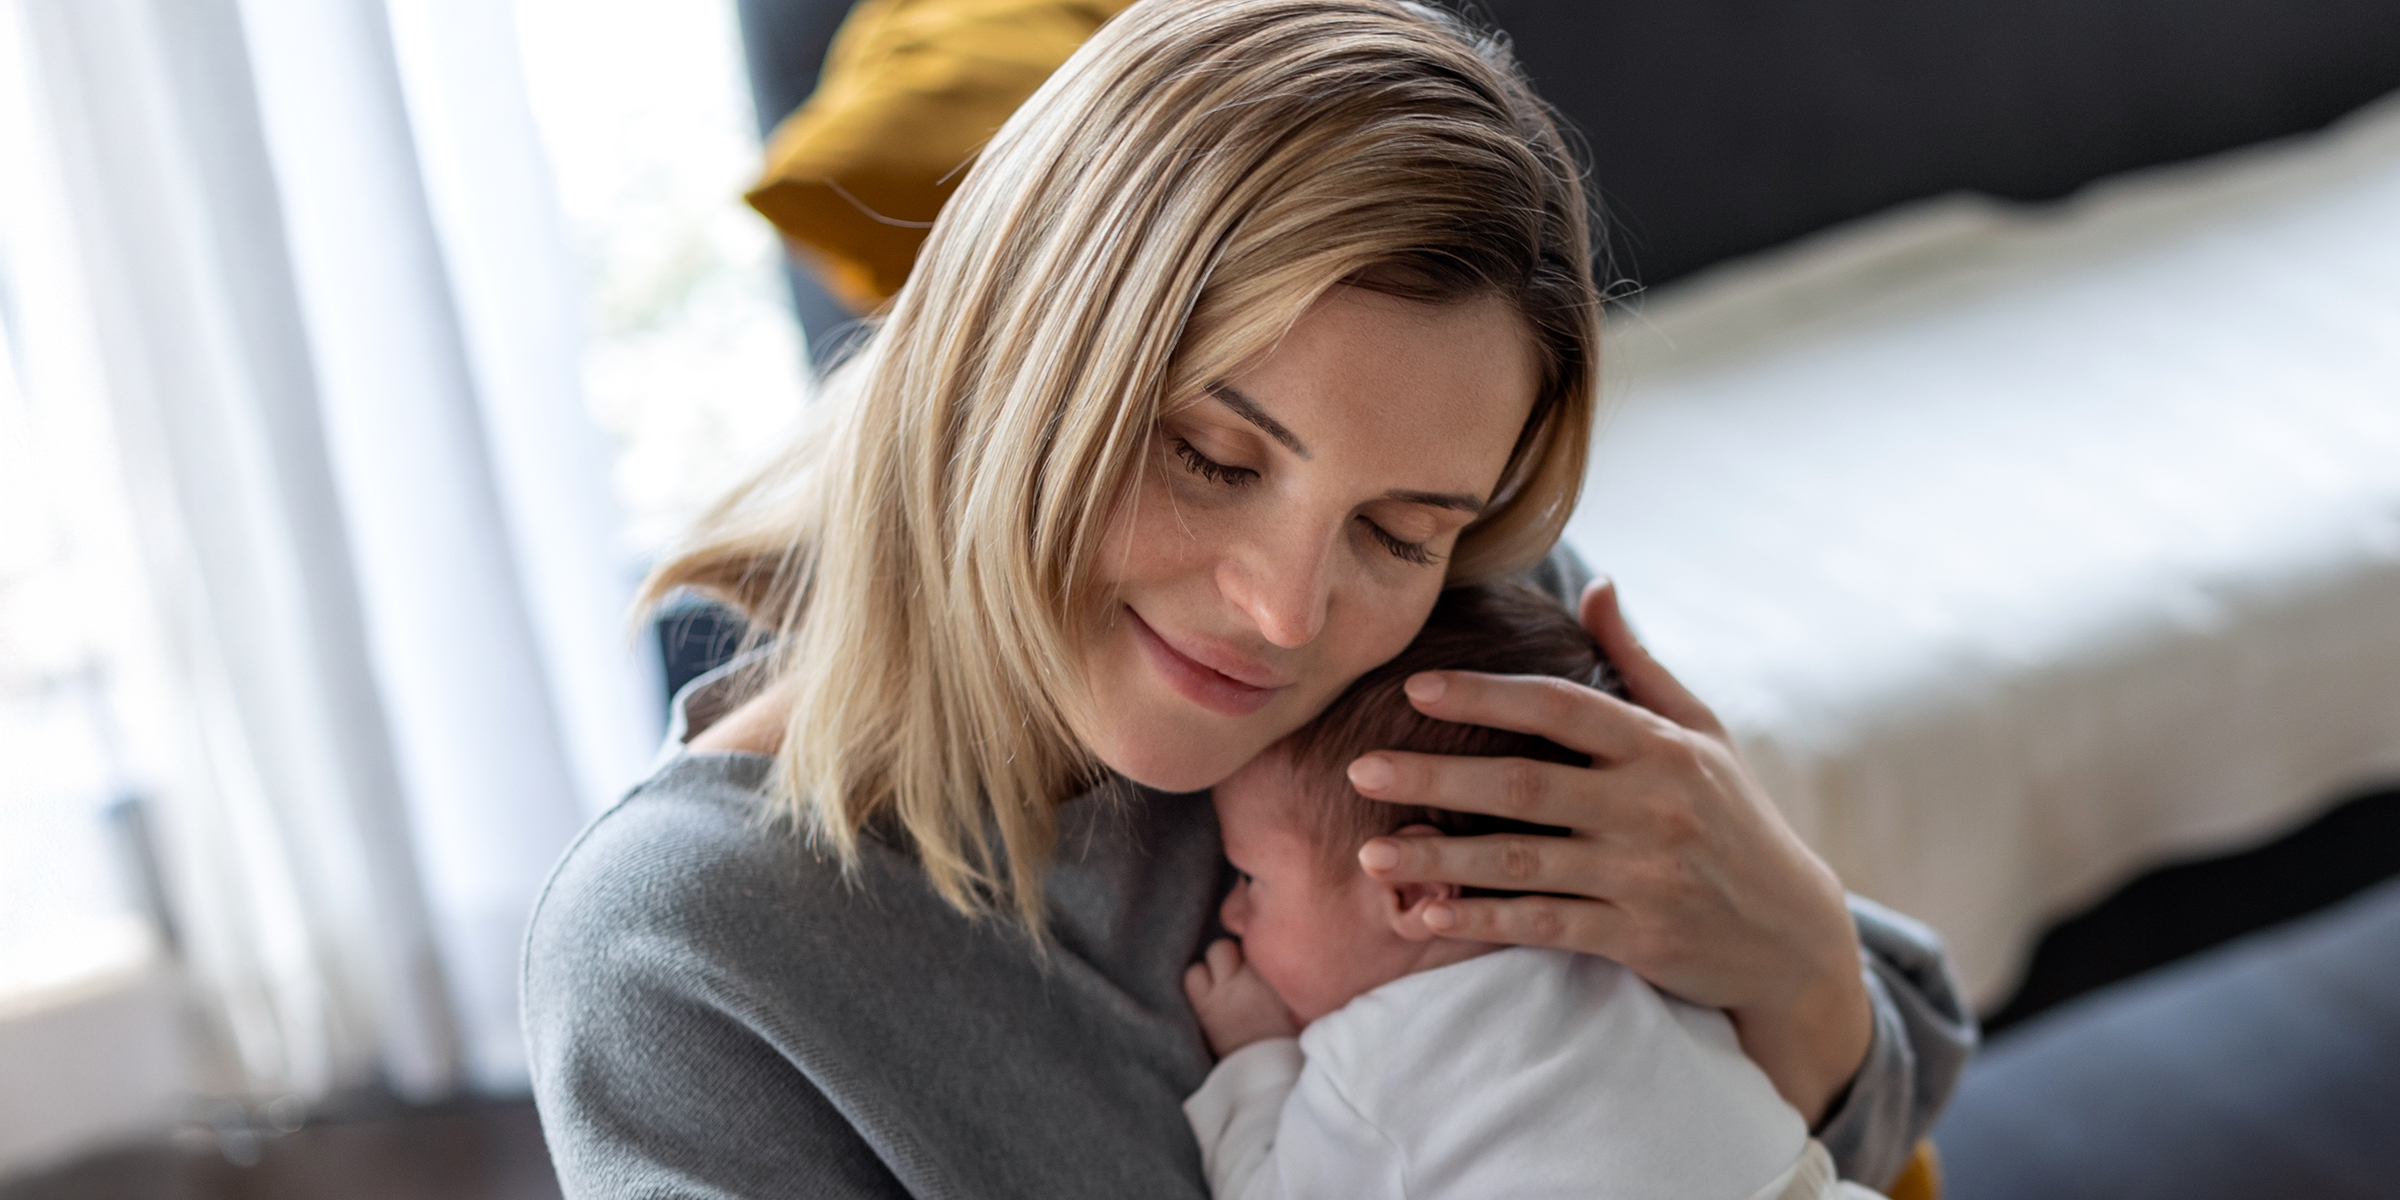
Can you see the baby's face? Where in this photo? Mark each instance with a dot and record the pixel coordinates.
(1319, 944)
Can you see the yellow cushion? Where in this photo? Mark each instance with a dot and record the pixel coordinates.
(910, 90)
(1921, 1179)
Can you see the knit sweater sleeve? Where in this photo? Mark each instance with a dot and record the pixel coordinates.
(1924, 1034)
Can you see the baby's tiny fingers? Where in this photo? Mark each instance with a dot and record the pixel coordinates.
(1195, 984)
(1224, 959)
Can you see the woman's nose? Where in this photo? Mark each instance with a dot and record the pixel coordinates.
(1283, 586)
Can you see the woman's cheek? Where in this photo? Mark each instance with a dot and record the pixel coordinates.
(1150, 539)
(1376, 628)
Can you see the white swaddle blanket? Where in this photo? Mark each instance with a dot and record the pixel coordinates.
(1524, 1073)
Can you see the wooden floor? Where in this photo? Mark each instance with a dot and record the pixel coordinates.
(486, 1152)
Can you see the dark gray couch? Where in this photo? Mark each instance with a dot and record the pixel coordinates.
(2268, 1067)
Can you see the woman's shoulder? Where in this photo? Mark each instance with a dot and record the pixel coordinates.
(693, 902)
(666, 995)
(699, 831)
(694, 961)
(691, 880)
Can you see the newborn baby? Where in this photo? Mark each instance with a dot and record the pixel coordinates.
(1362, 1055)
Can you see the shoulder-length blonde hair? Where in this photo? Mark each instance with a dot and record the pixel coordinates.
(1160, 212)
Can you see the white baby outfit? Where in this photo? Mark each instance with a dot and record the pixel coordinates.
(1524, 1073)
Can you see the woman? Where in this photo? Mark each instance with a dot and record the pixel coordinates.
(1261, 322)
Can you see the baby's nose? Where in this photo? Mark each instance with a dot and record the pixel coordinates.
(1234, 914)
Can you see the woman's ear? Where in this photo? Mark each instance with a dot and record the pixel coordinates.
(1405, 903)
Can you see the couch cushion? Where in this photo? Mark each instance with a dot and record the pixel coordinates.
(909, 91)
(2268, 1068)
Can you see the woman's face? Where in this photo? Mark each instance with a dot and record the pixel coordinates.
(1292, 528)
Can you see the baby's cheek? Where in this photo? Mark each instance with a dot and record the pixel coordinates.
(1263, 947)
(1287, 964)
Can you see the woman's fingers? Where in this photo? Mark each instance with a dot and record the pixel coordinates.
(1652, 686)
(1574, 716)
(1544, 793)
(1502, 861)
(1584, 926)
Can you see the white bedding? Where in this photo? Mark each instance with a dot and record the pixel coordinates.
(2026, 549)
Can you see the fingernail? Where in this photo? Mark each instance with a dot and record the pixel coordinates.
(1371, 774)
(1379, 856)
(1440, 917)
(1425, 688)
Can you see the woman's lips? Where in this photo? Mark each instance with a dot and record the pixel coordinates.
(1196, 681)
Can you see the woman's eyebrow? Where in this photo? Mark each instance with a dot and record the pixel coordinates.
(1458, 500)
(1248, 410)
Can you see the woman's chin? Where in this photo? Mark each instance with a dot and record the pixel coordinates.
(1143, 731)
(1160, 764)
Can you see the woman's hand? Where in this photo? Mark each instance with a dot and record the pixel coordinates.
(1235, 1004)
(1679, 866)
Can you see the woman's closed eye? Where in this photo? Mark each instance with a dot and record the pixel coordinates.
(1210, 469)
(1224, 475)
(1413, 553)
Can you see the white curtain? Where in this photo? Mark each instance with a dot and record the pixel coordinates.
(338, 335)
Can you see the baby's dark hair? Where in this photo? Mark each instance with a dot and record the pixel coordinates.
(1501, 629)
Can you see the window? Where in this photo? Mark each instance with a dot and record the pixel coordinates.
(71, 601)
(694, 364)
(66, 916)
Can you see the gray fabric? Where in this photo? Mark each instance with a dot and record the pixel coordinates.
(711, 1010)
(1924, 1034)
(2269, 1067)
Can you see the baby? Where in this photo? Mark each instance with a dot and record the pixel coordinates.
(1360, 1054)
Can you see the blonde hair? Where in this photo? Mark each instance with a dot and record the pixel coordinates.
(1163, 209)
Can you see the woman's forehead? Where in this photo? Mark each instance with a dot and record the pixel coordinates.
(1368, 379)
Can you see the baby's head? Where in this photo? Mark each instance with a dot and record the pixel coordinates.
(1316, 926)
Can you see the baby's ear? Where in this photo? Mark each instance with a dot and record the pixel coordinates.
(1405, 903)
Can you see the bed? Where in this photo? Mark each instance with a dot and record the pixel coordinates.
(2028, 546)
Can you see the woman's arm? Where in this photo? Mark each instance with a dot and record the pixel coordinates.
(648, 1090)
(1681, 868)
(1924, 1034)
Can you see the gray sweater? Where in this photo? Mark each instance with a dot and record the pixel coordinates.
(712, 1010)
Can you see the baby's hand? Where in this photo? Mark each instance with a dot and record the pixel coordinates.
(1235, 1004)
